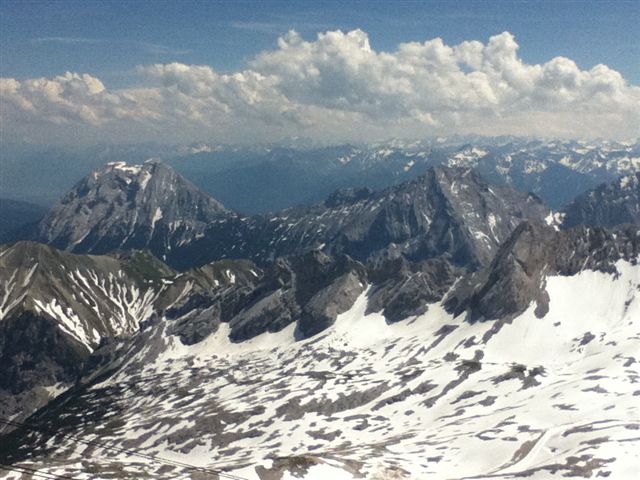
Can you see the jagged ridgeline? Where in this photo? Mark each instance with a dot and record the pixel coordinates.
(56, 308)
(450, 211)
(346, 337)
(535, 353)
(607, 205)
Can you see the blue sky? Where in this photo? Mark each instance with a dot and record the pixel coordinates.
(81, 72)
(109, 38)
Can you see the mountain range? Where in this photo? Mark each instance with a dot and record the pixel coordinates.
(266, 178)
(280, 176)
(448, 325)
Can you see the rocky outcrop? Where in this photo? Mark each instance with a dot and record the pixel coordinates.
(516, 276)
(310, 290)
(608, 205)
(403, 289)
(222, 290)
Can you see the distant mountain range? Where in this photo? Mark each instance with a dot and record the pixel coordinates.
(259, 179)
(607, 205)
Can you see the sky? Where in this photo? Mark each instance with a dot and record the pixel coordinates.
(252, 71)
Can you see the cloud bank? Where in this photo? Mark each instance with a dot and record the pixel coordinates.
(335, 88)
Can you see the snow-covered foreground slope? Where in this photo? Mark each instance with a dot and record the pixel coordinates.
(430, 397)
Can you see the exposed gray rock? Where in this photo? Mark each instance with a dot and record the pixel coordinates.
(129, 207)
(311, 289)
(402, 289)
(446, 211)
(56, 307)
(322, 309)
(608, 205)
(516, 276)
(221, 290)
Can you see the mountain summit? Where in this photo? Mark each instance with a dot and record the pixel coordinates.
(442, 311)
(129, 207)
(447, 211)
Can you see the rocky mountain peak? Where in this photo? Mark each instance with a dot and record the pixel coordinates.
(124, 206)
(447, 210)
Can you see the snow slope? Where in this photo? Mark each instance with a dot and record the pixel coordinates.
(430, 397)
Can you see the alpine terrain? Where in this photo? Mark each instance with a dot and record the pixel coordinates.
(445, 326)
(319, 240)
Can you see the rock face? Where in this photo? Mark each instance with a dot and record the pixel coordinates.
(403, 289)
(451, 212)
(88, 297)
(535, 398)
(129, 207)
(366, 338)
(223, 289)
(309, 290)
(608, 205)
(56, 308)
(447, 211)
(516, 276)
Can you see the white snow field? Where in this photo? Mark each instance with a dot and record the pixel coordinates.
(433, 397)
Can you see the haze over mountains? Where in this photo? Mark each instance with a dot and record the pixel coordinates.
(311, 339)
(16, 214)
(257, 179)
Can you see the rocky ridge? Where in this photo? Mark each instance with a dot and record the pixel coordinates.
(607, 205)
(447, 211)
(516, 277)
(543, 394)
(56, 308)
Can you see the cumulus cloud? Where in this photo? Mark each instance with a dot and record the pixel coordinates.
(335, 88)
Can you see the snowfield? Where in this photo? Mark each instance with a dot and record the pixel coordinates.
(432, 397)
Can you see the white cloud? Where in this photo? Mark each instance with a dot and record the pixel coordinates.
(334, 88)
